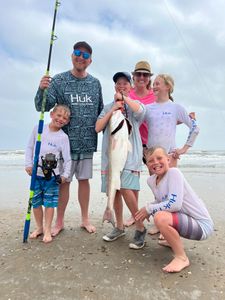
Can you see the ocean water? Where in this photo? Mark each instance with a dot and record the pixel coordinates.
(205, 170)
(193, 159)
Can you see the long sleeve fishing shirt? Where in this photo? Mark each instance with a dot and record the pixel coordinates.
(55, 142)
(162, 119)
(174, 194)
(84, 98)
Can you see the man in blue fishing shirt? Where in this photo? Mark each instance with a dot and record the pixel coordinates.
(82, 93)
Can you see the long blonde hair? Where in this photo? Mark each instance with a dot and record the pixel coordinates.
(168, 80)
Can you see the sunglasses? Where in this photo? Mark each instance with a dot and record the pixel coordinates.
(139, 74)
(78, 52)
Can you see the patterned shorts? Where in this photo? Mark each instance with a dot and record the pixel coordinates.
(187, 226)
(46, 192)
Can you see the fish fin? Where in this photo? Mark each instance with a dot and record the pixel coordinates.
(108, 216)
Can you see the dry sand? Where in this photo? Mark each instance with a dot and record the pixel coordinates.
(77, 265)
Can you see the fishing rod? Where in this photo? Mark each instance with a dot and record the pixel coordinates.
(125, 108)
(40, 130)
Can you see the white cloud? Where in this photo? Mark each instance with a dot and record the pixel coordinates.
(185, 39)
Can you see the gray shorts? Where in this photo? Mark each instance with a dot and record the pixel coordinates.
(82, 169)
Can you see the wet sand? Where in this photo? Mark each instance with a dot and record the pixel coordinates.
(77, 265)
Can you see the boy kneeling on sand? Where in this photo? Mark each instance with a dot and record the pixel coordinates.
(54, 147)
(177, 210)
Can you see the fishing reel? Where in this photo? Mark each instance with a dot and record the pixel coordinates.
(49, 163)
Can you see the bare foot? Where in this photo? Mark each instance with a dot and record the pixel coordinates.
(153, 230)
(164, 243)
(88, 227)
(56, 230)
(129, 222)
(47, 238)
(36, 233)
(177, 264)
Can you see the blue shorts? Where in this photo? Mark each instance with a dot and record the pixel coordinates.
(130, 180)
(46, 192)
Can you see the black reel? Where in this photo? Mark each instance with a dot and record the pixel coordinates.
(49, 162)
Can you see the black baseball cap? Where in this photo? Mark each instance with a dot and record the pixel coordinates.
(122, 74)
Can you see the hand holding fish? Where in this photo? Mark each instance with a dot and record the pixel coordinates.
(118, 104)
(121, 98)
(102, 123)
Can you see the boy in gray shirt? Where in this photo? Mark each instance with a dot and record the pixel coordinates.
(129, 178)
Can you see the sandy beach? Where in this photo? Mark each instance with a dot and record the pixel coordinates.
(77, 265)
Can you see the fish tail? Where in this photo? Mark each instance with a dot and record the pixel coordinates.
(108, 216)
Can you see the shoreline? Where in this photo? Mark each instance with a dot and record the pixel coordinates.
(207, 183)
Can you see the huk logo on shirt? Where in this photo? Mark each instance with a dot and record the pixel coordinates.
(166, 113)
(52, 145)
(80, 99)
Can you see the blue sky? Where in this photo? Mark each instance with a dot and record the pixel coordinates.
(183, 38)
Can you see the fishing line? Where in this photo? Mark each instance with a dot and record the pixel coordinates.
(189, 53)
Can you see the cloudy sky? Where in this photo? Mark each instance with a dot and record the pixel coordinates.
(183, 38)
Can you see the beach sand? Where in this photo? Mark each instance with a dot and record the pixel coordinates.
(77, 265)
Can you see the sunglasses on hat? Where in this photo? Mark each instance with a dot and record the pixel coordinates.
(78, 52)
